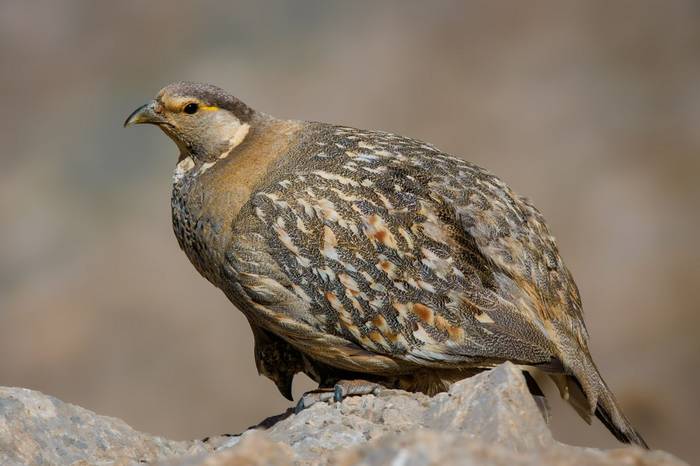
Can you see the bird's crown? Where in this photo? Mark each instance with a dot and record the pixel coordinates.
(210, 96)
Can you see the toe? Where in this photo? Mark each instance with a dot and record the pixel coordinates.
(346, 388)
(311, 398)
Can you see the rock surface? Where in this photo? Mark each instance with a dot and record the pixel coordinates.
(488, 419)
(36, 429)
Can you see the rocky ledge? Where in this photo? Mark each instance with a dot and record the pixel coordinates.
(488, 419)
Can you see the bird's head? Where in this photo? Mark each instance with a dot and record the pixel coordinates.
(203, 120)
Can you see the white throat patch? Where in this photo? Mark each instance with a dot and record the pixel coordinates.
(184, 166)
(239, 134)
(234, 141)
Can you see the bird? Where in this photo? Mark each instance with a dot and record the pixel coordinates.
(367, 259)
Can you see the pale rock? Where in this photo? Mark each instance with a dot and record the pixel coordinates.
(488, 419)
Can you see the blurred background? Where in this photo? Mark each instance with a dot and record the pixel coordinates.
(590, 108)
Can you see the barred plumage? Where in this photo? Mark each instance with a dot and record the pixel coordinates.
(373, 255)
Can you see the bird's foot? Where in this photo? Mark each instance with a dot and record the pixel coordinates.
(357, 387)
(342, 389)
(312, 397)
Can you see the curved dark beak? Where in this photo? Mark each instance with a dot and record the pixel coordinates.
(145, 114)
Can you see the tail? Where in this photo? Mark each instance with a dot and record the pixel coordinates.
(610, 414)
(588, 393)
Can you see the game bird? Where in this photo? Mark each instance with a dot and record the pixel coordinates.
(366, 259)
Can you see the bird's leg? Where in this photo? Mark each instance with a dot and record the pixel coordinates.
(340, 390)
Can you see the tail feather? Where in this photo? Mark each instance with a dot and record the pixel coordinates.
(570, 389)
(609, 413)
(628, 435)
(607, 410)
(584, 388)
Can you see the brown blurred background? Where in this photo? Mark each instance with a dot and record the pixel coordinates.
(590, 108)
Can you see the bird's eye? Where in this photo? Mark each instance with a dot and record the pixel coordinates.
(191, 108)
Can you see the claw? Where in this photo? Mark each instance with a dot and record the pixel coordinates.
(339, 393)
(311, 398)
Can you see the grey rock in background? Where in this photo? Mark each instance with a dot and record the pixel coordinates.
(488, 419)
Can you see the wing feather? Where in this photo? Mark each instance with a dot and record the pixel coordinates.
(404, 251)
(377, 253)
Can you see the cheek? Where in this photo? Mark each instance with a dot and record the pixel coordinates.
(215, 121)
(224, 126)
(191, 127)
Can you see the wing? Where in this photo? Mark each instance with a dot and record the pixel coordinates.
(377, 253)
(389, 247)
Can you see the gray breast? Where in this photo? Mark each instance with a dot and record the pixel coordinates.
(198, 233)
